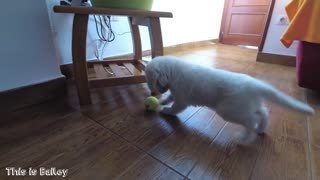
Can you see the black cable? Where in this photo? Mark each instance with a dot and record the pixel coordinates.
(111, 35)
(107, 21)
(104, 21)
(101, 29)
(97, 29)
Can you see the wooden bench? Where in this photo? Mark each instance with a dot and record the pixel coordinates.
(126, 71)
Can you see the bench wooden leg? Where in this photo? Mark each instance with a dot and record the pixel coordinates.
(155, 37)
(79, 36)
(136, 40)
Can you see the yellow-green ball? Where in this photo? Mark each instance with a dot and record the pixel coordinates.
(151, 103)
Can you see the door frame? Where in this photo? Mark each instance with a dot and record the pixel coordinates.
(265, 31)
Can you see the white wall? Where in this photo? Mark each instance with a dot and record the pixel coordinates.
(272, 43)
(27, 50)
(192, 22)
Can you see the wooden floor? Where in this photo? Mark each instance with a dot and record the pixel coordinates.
(116, 139)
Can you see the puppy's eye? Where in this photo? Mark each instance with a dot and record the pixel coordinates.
(158, 84)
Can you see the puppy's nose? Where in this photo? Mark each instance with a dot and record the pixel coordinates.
(154, 93)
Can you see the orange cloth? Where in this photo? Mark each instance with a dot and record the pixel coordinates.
(304, 22)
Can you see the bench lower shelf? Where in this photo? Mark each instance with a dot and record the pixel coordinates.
(115, 72)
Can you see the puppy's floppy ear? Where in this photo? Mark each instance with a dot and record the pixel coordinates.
(162, 84)
(162, 81)
(156, 80)
(152, 76)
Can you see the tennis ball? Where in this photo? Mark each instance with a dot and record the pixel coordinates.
(151, 103)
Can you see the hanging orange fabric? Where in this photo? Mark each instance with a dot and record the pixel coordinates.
(304, 22)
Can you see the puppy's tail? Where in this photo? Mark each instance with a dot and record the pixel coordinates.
(279, 97)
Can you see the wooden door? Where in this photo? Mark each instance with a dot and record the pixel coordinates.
(244, 21)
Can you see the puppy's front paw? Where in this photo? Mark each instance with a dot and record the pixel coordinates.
(167, 111)
(164, 102)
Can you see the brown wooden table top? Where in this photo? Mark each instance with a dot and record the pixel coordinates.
(111, 11)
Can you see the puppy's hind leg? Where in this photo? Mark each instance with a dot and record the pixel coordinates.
(251, 123)
(248, 136)
(174, 109)
(263, 119)
(257, 123)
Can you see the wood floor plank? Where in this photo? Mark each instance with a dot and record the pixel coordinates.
(296, 125)
(224, 158)
(314, 122)
(287, 124)
(314, 132)
(147, 129)
(151, 136)
(20, 125)
(76, 143)
(103, 96)
(315, 160)
(297, 159)
(271, 160)
(127, 100)
(149, 169)
(295, 122)
(282, 158)
(183, 148)
(128, 118)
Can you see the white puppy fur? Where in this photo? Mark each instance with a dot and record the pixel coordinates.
(237, 98)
